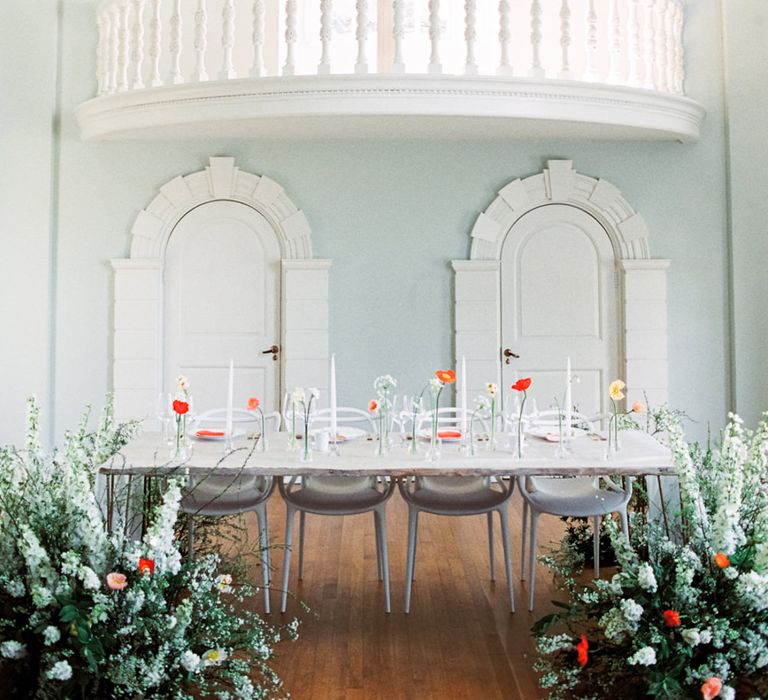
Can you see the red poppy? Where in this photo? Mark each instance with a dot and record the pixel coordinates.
(671, 618)
(146, 566)
(522, 384)
(446, 376)
(373, 406)
(253, 403)
(722, 560)
(581, 649)
(180, 407)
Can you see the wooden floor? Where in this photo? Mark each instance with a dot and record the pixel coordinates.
(459, 641)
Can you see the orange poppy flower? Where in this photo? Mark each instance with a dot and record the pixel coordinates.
(671, 618)
(722, 560)
(522, 384)
(146, 566)
(180, 407)
(253, 403)
(581, 650)
(446, 376)
(373, 406)
(711, 688)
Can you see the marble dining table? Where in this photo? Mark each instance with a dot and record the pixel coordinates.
(640, 455)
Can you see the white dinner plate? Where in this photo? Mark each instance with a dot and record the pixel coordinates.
(427, 435)
(346, 433)
(551, 433)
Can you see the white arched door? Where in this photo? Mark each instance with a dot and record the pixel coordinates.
(559, 299)
(222, 301)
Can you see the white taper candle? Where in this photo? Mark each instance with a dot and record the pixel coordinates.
(230, 398)
(568, 400)
(334, 427)
(463, 396)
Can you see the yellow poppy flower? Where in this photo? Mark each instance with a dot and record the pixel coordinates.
(616, 390)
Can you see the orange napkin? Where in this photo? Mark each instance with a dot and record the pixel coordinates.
(448, 434)
(210, 433)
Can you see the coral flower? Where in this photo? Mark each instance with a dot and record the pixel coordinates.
(373, 406)
(581, 649)
(616, 390)
(722, 560)
(638, 407)
(446, 376)
(253, 403)
(117, 581)
(672, 618)
(180, 407)
(522, 384)
(711, 688)
(146, 566)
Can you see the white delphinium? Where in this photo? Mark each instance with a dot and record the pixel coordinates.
(727, 693)
(42, 596)
(244, 688)
(60, 671)
(298, 395)
(632, 611)
(51, 635)
(35, 557)
(643, 657)
(752, 588)
(160, 537)
(12, 650)
(646, 578)
(705, 637)
(15, 588)
(691, 637)
(190, 661)
(89, 578)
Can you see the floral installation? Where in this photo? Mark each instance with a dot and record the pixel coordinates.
(254, 405)
(180, 409)
(383, 386)
(522, 386)
(686, 616)
(436, 386)
(304, 398)
(85, 612)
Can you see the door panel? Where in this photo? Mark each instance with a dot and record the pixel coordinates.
(559, 300)
(222, 303)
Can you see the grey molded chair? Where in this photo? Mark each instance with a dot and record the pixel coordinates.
(231, 495)
(460, 495)
(337, 495)
(569, 497)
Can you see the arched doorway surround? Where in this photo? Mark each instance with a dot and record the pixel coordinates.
(137, 367)
(642, 280)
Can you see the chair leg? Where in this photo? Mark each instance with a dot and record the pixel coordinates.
(379, 566)
(191, 528)
(532, 556)
(380, 518)
(261, 515)
(624, 522)
(596, 543)
(525, 532)
(289, 513)
(302, 518)
(504, 517)
(415, 539)
(413, 519)
(490, 541)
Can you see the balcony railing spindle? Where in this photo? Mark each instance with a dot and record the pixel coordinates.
(201, 42)
(398, 34)
(291, 36)
(470, 35)
(536, 71)
(228, 71)
(635, 50)
(669, 26)
(590, 71)
(361, 65)
(101, 62)
(326, 35)
(122, 55)
(648, 63)
(155, 43)
(435, 65)
(659, 49)
(175, 44)
(257, 68)
(505, 35)
(113, 48)
(565, 41)
(679, 82)
(614, 67)
(137, 45)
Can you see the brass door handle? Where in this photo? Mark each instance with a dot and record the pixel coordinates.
(274, 351)
(508, 354)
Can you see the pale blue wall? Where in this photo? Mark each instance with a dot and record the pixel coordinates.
(392, 214)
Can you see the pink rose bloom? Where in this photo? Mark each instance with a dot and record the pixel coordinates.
(116, 581)
(638, 407)
(711, 688)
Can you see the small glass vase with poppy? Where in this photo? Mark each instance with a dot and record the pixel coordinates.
(522, 386)
(305, 400)
(180, 448)
(492, 390)
(254, 406)
(616, 393)
(379, 415)
(384, 386)
(436, 386)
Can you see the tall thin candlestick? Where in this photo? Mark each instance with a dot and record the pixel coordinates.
(463, 396)
(334, 427)
(568, 400)
(230, 400)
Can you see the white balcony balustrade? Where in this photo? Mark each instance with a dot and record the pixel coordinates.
(484, 47)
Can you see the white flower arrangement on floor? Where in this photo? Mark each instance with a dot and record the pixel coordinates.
(686, 616)
(86, 613)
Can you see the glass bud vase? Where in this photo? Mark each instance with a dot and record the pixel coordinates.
(180, 446)
(306, 451)
(613, 447)
(491, 444)
(435, 447)
(261, 445)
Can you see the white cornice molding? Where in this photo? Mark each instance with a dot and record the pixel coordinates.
(392, 106)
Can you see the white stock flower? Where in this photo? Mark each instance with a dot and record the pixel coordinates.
(691, 637)
(752, 588)
(89, 578)
(705, 636)
(646, 578)
(643, 657)
(15, 588)
(298, 395)
(60, 671)
(51, 635)
(12, 650)
(190, 661)
(727, 693)
(632, 611)
(160, 537)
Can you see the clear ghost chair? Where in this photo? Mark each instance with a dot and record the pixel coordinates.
(337, 495)
(569, 497)
(234, 494)
(459, 495)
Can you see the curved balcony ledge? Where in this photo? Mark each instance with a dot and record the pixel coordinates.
(391, 106)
